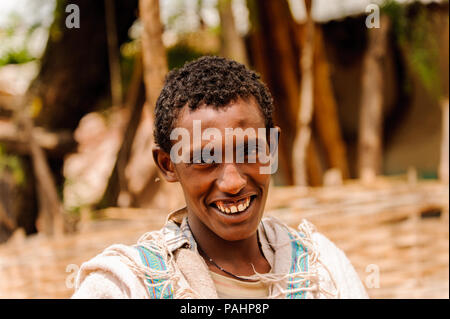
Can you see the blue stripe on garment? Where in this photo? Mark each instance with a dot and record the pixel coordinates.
(297, 250)
(155, 261)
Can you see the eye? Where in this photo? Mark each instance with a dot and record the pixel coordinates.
(251, 151)
(203, 161)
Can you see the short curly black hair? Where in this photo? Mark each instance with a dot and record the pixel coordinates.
(209, 80)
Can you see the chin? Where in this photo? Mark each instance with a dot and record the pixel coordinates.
(240, 234)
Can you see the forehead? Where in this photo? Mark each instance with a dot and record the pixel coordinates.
(240, 113)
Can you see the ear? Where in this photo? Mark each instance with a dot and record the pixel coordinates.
(165, 164)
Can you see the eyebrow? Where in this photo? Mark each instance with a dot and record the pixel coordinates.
(255, 141)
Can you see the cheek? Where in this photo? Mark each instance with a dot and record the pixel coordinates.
(253, 170)
(195, 185)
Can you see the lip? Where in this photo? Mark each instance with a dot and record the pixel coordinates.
(235, 218)
(232, 199)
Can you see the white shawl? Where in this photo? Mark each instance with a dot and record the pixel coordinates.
(118, 272)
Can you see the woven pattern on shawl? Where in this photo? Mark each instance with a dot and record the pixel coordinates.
(299, 263)
(155, 261)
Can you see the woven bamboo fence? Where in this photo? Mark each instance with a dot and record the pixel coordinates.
(396, 235)
(397, 231)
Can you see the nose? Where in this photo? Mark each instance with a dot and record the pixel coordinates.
(231, 181)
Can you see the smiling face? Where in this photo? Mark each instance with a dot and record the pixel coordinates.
(226, 199)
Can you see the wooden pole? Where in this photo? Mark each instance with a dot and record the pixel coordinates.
(325, 110)
(155, 68)
(305, 113)
(274, 34)
(53, 143)
(153, 51)
(113, 53)
(232, 46)
(50, 219)
(6, 220)
(443, 169)
(118, 183)
(371, 111)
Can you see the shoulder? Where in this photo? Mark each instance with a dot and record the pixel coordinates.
(114, 273)
(307, 236)
(340, 268)
(334, 268)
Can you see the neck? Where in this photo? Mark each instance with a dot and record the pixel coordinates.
(237, 255)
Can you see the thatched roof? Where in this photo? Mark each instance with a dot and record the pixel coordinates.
(326, 10)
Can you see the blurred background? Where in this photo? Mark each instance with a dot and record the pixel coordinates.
(361, 95)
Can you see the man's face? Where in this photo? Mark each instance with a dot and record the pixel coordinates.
(227, 197)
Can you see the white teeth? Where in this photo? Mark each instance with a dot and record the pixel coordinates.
(233, 209)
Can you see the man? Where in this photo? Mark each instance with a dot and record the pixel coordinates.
(219, 115)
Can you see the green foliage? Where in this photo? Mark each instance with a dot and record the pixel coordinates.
(16, 57)
(428, 175)
(179, 54)
(177, 14)
(13, 165)
(17, 33)
(217, 30)
(413, 32)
